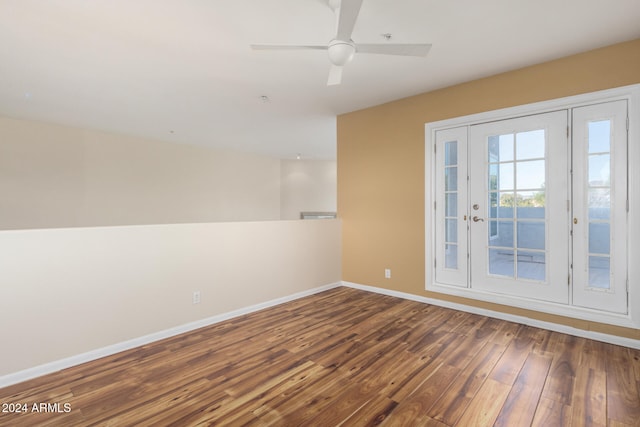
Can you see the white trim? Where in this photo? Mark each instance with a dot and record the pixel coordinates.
(560, 309)
(569, 330)
(633, 188)
(58, 365)
(632, 95)
(624, 92)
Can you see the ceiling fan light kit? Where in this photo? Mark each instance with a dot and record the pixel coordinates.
(340, 52)
(342, 49)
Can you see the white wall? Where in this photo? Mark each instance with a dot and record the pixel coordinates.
(307, 186)
(81, 270)
(65, 292)
(59, 176)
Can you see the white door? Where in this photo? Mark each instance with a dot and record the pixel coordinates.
(600, 206)
(519, 206)
(451, 206)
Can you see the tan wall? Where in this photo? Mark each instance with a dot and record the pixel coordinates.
(307, 186)
(70, 291)
(381, 166)
(58, 176)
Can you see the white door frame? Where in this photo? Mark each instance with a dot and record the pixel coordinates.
(632, 318)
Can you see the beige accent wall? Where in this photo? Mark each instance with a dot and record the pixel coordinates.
(381, 166)
(59, 176)
(65, 292)
(307, 186)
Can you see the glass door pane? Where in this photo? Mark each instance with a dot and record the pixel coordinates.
(599, 225)
(599, 173)
(518, 193)
(517, 171)
(450, 245)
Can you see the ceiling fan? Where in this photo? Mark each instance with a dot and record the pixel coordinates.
(342, 49)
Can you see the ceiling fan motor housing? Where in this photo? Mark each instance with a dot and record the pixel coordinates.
(341, 52)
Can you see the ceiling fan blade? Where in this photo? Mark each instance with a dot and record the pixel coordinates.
(286, 47)
(409, 49)
(335, 75)
(348, 13)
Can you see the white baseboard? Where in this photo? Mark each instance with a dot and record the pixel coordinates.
(58, 365)
(598, 336)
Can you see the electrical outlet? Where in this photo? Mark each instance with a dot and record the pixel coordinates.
(387, 273)
(196, 297)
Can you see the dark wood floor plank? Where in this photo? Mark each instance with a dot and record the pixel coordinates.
(169, 408)
(634, 357)
(560, 382)
(429, 331)
(288, 383)
(344, 406)
(512, 360)
(358, 362)
(422, 398)
(589, 397)
(372, 413)
(623, 401)
(396, 370)
(552, 413)
(454, 320)
(326, 347)
(522, 402)
(484, 411)
(423, 323)
(473, 324)
(199, 410)
(462, 354)
(435, 356)
(542, 339)
(305, 404)
(410, 418)
(241, 381)
(464, 388)
(352, 358)
(319, 388)
(594, 355)
(244, 403)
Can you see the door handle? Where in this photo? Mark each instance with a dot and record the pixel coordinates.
(476, 219)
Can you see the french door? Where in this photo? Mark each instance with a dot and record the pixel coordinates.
(519, 217)
(524, 207)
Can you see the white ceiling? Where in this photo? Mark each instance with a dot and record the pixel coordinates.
(182, 70)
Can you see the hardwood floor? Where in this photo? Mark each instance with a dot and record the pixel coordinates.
(351, 358)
